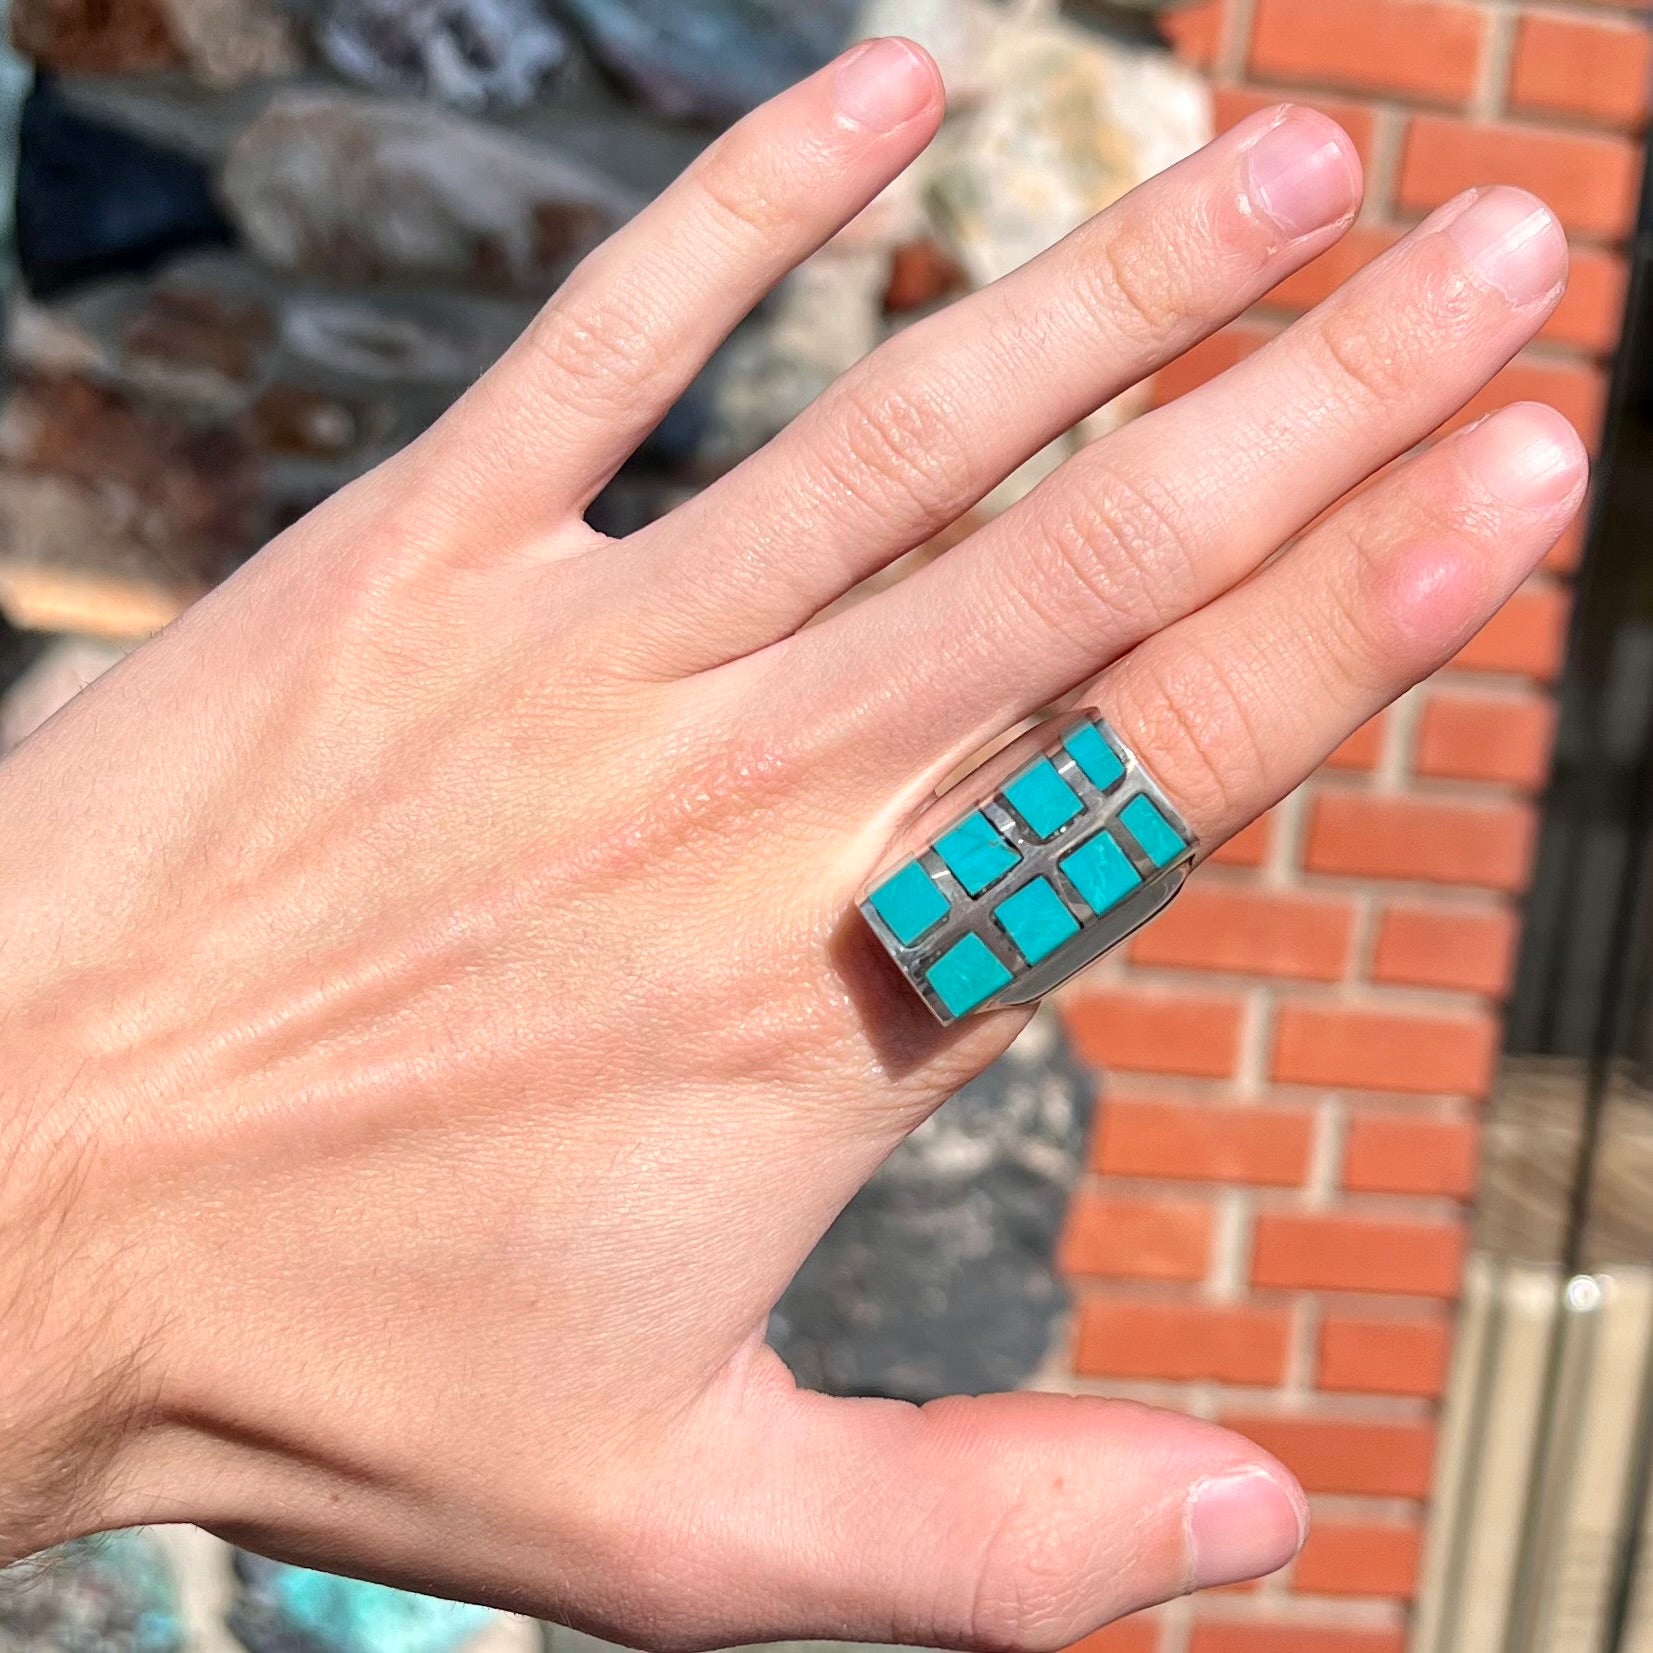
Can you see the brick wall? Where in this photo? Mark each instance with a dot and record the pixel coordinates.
(1275, 1224)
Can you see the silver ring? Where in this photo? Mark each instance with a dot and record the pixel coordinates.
(1076, 850)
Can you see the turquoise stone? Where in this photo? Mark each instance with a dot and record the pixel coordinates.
(967, 975)
(1160, 841)
(909, 903)
(1097, 760)
(975, 853)
(1043, 799)
(1036, 920)
(1101, 872)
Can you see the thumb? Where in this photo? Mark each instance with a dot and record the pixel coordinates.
(1019, 1521)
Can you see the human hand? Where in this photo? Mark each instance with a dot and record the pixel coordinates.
(435, 1020)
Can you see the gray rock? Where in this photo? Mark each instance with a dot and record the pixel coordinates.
(470, 54)
(939, 1277)
(113, 1594)
(711, 60)
(356, 188)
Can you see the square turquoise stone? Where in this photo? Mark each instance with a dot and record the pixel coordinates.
(967, 975)
(1036, 920)
(1145, 821)
(1043, 799)
(909, 903)
(1097, 760)
(975, 853)
(1101, 872)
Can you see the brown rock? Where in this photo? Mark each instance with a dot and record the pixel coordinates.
(113, 517)
(921, 274)
(197, 343)
(95, 37)
(356, 188)
(222, 41)
(290, 420)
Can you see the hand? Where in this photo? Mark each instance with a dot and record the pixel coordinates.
(435, 1022)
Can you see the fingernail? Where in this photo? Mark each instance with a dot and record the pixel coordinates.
(884, 84)
(1242, 1525)
(1299, 175)
(1514, 242)
(1527, 455)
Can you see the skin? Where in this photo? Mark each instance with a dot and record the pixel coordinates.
(433, 1021)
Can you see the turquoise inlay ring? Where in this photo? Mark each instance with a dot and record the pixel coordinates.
(1077, 849)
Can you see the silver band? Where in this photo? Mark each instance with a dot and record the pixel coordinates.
(1011, 899)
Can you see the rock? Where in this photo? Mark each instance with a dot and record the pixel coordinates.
(711, 60)
(285, 1609)
(467, 53)
(1070, 123)
(52, 680)
(93, 37)
(94, 200)
(290, 420)
(356, 189)
(226, 42)
(222, 41)
(938, 1278)
(113, 1594)
(921, 275)
(194, 344)
(114, 517)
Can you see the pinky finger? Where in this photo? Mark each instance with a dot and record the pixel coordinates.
(1235, 705)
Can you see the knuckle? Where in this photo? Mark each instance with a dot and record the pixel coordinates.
(739, 202)
(1203, 734)
(598, 341)
(911, 445)
(1144, 272)
(1381, 346)
(1119, 556)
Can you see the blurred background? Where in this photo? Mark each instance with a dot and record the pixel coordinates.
(1353, 1148)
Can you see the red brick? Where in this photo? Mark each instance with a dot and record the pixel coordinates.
(1319, 279)
(1137, 1634)
(1304, 1251)
(1384, 1357)
(1526, 637)
(1379, 1460)
(1366, 1558)
(1465, 736)
(1574, 389)
(1215, 1636)
(1590, 180)
(1186, 1141)
(1466, 949)
(1331, 1046)
(1182, 1342)
(1595, 68)
(1430, 840)
(1248, 847)
(1363, 750)
(1590, 315)
(1232, 104)
(1568, 552)
(1266, 934)
(1206, 360)
(1196, 32)
(1137, 1239)
(1373, 46)
(1150, 1032)
(1401, 1154)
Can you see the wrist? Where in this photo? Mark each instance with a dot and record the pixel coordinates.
(72, 1380)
